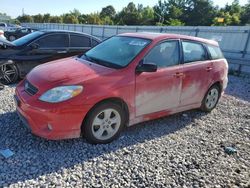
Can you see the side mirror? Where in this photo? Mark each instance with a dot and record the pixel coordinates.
(34, 46)
(147, 67)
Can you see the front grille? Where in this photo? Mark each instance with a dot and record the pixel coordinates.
(29, 88)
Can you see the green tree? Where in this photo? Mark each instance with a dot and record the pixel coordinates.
(107, 21)
(93, 18)
(46, 18)
(246, 14)
(70, 19)
(82, 19)
(129, 15)
(199, 12)
(38, 18)
(147, 16)
(25, 19)
(175, 22)
(108, 11)
(56, 19)
(170, 12)
(76, 13)
(230, 13)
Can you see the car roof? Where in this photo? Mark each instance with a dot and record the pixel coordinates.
(72, 32)
(162, 36)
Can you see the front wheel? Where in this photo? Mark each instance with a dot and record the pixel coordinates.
(8, 73)
(104, 123)
(211, 99)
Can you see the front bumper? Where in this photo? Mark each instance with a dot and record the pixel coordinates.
(55, 123)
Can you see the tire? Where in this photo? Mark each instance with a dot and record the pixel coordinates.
(12, 38)
(211, 99)
(104, 123)
(9, 73)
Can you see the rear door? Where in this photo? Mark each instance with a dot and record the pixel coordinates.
(79, 44)
(197, 72)
(158, 91)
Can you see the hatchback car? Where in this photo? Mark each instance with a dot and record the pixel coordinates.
(23, 54)
(127, 79)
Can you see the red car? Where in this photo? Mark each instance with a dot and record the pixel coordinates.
(127, 79)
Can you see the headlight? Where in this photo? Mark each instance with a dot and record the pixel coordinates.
(62, 93)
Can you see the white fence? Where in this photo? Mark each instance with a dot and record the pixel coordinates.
(234, 40)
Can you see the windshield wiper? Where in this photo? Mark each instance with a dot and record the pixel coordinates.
(84, 56)
(102, 62)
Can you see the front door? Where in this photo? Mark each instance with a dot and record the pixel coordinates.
(159, 90)
(48, 48)
(197, 73)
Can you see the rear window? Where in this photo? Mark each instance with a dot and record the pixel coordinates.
(215, 52)
(79, 41)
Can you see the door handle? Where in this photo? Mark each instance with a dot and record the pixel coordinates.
(209, 69)
(62, 52)
(178, 74)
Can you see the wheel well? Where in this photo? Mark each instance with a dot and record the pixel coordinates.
(218, 84)
(115, 100)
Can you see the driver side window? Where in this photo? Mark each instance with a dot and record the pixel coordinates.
(165, 54)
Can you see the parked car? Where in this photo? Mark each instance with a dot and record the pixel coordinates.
(8, 27)
(18, 33)
(127, 79)
(3, 25)
(39, 47)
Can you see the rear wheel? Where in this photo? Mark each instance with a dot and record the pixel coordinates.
(211, 99)
(8, 73)
(104, 123)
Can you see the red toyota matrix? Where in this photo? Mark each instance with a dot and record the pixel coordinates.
(127, 79)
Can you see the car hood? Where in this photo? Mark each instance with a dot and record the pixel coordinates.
(66, 71)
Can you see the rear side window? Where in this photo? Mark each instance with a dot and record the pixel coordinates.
(79, 41)
(54, 41)
(165, 54)
(215, 52)
(193, 51)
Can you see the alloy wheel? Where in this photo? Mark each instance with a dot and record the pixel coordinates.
(212, 98)
(8, 73)
(106, 124)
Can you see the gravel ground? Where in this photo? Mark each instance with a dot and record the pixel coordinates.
(176, 151)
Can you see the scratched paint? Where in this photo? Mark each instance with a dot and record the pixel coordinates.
(150, 102)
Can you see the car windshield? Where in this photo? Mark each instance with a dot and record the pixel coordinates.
(116, 52)
(27, 38)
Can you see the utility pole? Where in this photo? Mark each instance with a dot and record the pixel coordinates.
(23, 11)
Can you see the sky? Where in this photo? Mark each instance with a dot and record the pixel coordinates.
(58, 7)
